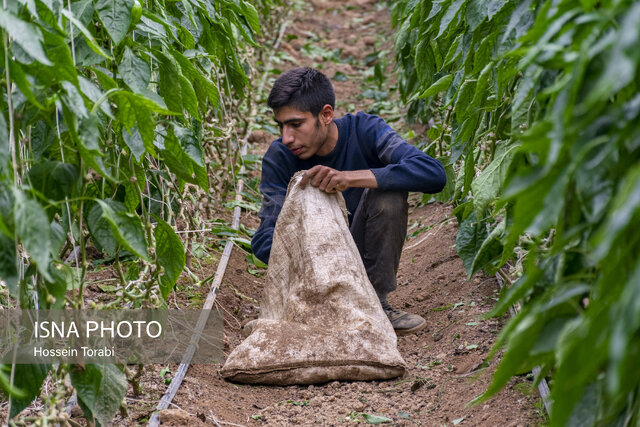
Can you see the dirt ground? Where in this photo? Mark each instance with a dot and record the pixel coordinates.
(446, 365)
(446, 362)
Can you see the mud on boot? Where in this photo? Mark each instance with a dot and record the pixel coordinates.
(403, 323)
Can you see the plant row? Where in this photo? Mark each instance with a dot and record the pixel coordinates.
(536, 107)
(117, 119)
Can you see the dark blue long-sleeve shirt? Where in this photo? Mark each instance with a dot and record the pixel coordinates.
(364, 142)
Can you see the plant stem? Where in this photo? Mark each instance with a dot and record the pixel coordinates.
(83, 243)
(73, 46)
(12, 140)
(445, 123)
(146, 216)
(118, 267)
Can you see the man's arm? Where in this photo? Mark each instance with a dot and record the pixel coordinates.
(406, 167)
(273, 186)
(332, 181)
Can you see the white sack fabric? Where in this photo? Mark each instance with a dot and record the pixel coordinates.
(320, 317)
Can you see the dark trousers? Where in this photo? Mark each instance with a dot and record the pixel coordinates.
(379, 227)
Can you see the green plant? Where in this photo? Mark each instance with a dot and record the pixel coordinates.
(536, 107)
(108, 110)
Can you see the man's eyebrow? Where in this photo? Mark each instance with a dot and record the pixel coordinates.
(291, 120)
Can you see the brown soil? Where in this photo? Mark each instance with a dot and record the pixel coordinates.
(446, 361)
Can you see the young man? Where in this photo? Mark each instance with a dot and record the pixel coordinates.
(362, 157)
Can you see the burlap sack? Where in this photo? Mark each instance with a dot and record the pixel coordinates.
(320, 317)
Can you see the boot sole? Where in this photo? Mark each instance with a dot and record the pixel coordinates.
(421, 326)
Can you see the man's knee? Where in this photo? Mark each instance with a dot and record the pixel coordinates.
(387, 203)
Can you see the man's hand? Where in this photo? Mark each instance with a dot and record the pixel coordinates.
(333, 181)
(326, 179)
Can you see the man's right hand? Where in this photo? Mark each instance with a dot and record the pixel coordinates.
(333, 181)
(326, 179)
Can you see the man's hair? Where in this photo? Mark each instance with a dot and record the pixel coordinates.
(305, 89)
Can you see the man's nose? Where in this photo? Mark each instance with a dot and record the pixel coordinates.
(287, 136)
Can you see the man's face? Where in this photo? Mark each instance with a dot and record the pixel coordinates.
(302, 133)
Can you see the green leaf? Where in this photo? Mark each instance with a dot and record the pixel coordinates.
(132, 196)
(91, 41)
(189, 98)
(134, 141)
(127, 229)
(495, 6)
(463, 102)
(26, 35)
(135, 71)
(135, 110)
(475, 13)
(375, 419)
(8, 264)
(481, 92)
(516, 359)
(74, 101)
(437, 87)
(454, 51)
(490, 250)
(551, 30)
(487, 186)
(523, 98)
(202, 85)
(7, 203)
(116, 17)
(89, 146)
(100, 229)
(91, 91)
(190, 144)
(20, 79)
(625, 313)
(450, 186)
(28, 378)
(170, 84)
(471, 235)
(34, 232)
(170, 254)
(177, 159)
(253, 260)
(83, 11)
(519, 21)
(88, 141)
(5, 383)
(402, 35)
(59, 52)
(58, 237)
(54, 179)
(437, 55)
(30, 5)
(448, 18)
(103, 76)
(623, 61)
(425, 63)
(484, 53)
(5, 153)
(251, 15)
(625, 206)
(100, 389)
(64, 279)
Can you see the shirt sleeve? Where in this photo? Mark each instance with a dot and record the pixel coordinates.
(406, 168)
(273, 186)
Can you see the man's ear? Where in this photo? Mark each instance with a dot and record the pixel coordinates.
(326, 114)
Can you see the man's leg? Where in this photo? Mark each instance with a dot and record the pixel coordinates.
(379, 227)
